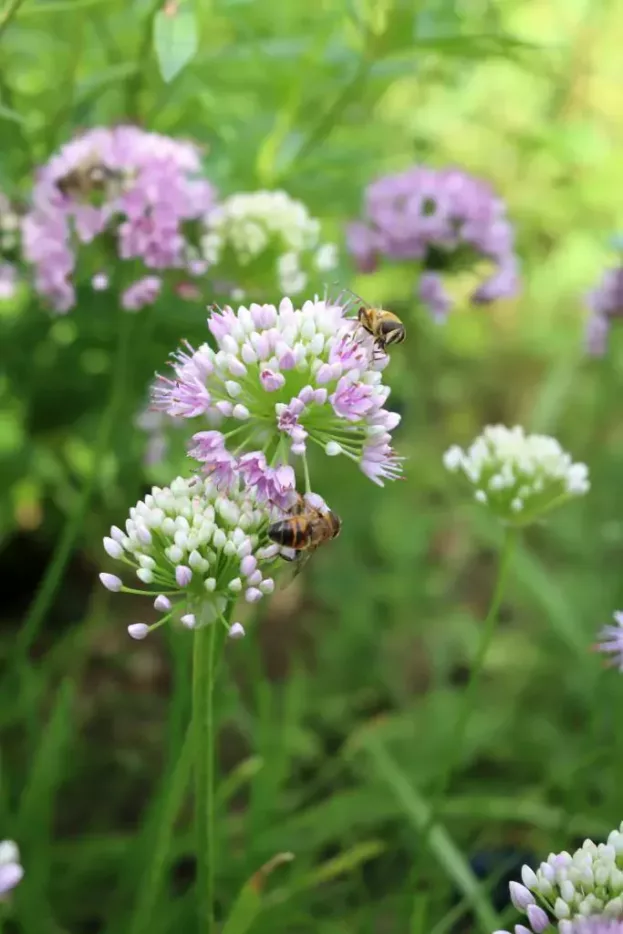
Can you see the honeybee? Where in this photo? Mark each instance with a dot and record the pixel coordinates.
(90, 177)
(384, 326)
(304, 529)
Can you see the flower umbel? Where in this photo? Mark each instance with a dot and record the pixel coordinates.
(445, 219)
(582, 893)
(605, 302)
(142, 188)
(518, 476)
(195, 549)
(266, 228)
(11, 870)
(612, 641)
(281, 379)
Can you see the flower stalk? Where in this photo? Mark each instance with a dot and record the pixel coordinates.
(207, 647)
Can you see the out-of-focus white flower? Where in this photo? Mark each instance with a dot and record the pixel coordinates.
(518, 476)
(250, 225)
(11, 870)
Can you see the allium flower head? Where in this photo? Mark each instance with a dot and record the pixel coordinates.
(582, 894)
(142, 188)
(518, 476)
(11, 871)
(443, 219)
(612, 641)
(605, 303)
(280, 379)
(10, 231)
(193, 547)
(266, 238)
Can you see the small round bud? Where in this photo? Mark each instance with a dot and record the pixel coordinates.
(236, 631)
(183, 575)
(188, 620)
(113, 548)
(111, 582)
(162, 604)
(138, 630)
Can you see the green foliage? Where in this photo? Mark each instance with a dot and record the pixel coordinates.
(337, 710)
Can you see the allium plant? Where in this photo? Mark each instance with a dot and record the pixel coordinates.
(146, 211)
(282, 379)
(11, 870)
(519, 477)
(195, 549)
(265, 241)
(611, 641)
(9, 248)
(567, 890)
(442, 220)
(605, 303)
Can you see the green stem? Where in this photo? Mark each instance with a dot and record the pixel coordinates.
(208, 641)
(8, 13)
(54, 571)
(466, 707)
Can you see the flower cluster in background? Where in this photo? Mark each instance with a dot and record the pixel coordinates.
(266, 238)
(11, 870)
(443, 220)
(611, 643)
(518, 476)
(9, 248)
(605, 303)
(142, 190)
(198, 545)
(280, 379)
(568, 888)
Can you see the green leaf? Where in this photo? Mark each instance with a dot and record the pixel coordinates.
(418, 812)
(175, 41)
(249, 902)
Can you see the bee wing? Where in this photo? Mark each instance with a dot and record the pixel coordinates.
(297, 564)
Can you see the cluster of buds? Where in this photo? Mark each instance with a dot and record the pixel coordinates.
(265, 239)
(195, 548)
(519, 477)
(567, 889)
(605, 303)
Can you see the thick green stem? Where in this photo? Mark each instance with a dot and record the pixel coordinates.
(8, 13)
(208, 642)
(54, 572)
(488, 631)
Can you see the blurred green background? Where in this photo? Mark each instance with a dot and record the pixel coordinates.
(337, 709)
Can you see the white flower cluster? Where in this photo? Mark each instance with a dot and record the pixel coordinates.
(567, 887)
(193, 543)
(11, 871)
(255, 223)
(518, 476)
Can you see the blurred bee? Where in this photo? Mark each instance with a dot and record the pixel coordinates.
(304, 529)
(383, 326)
(92, 176)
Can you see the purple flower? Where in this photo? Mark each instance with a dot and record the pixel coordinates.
(612, 641)
(248, 390)
(442, 219)
(141, 188)
(432, 292)
(605, 302)
(143, 292)
(598, 924)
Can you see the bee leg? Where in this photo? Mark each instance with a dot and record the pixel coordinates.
(289, 554)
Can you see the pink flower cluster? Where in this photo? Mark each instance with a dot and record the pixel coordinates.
(280, 379)
(150, 189)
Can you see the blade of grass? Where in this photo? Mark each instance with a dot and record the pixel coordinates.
(249, 903)
(443, 847)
